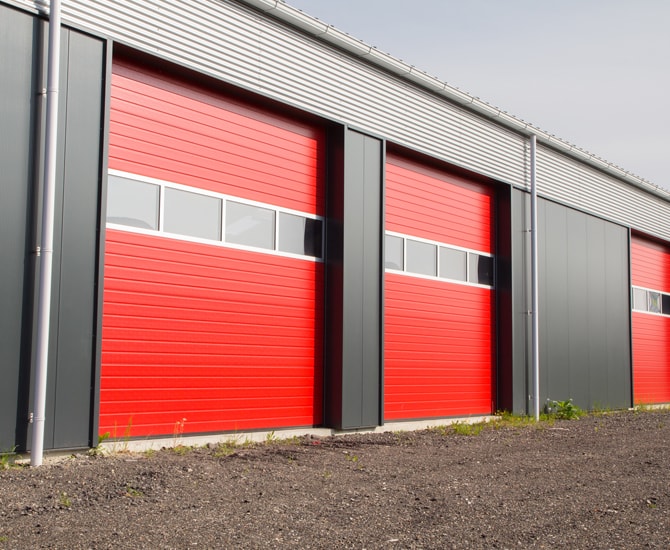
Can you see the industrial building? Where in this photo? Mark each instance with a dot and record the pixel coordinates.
(263, 223)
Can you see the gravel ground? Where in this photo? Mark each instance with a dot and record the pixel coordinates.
(597, 482)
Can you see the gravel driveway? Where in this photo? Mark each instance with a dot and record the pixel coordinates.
(602, 481)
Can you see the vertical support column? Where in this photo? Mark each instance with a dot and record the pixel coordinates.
(354, 284)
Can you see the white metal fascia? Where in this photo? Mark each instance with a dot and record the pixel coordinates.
(313, 26)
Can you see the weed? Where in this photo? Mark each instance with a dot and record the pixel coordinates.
(270, 437)
(563, 410)
(225, 448)
(178, 432)
(181, 449)
(440, 430)
(4, 538)
(464, 428)
(64, 500)
(132, 492)
(599, 410)
(327, 474)
(7, 458)
(350, 458)
(125, 440)
(508, 419)
(149, 453)
(99, 450)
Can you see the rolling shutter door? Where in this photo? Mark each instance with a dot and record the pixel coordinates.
(200, 336)
(650, 263)
(439, 331)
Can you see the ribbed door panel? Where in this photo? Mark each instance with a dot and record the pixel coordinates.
(169, 131)
(433, 205)
(438, 349)
(650, 266)
(216, 338)
(438, 336)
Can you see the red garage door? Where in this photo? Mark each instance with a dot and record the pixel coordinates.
(439, 297)
(213, 283)
(651, 321)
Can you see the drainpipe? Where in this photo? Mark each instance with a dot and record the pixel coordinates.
(46, 249)
(534, 283)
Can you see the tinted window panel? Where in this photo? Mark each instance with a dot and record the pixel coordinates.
(453, 264)
(192, 214)
(250, 225)
(639, 299)
(481, 269)
(421, 258)
(666, 304)
(393, 252)
(300, 235)
(131, 202)
(654, 301)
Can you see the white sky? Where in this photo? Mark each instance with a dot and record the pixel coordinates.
(595, 73)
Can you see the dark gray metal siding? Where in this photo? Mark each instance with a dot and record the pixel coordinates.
(19, 37)
(354, 320)
(72, 350)
(72, 353)
(584, 306)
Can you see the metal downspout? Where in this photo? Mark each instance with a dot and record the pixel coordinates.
(46, 250)
(534, 280)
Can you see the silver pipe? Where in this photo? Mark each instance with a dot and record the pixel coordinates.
(534, 282)
(46, 249)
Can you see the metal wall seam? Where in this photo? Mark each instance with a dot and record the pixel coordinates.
(238, 45)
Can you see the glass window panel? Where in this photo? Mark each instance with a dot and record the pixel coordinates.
(453, 264)
(639, 299)
(300, 235)
(421, 258)
(250, 225)
(481, 269)
(654, 301)
(131, 202)
(393, 252)
(192, 214)
(665, 306)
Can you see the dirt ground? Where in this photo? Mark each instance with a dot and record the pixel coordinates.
(598, 482)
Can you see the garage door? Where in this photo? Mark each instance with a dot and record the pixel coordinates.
(213, 280)
(651, 321)
(439, 294)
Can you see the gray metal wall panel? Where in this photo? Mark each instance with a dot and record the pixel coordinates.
(361, 346)
(584, 307)
(79, 240)
(354, 282)
(17, 108)
(520, 284)
(71, 353)
(583, 281)
(372, 276)
(577, 302)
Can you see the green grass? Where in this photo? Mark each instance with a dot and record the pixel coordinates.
(8, 458)
(64, 500)
(563, 410)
